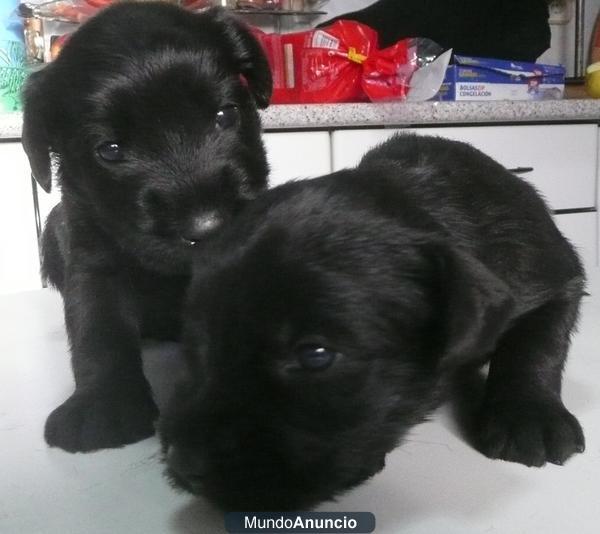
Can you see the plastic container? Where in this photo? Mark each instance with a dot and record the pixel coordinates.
(595, 43)
(12, 57)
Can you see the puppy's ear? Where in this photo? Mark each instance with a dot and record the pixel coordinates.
(36, 128)
(249, 56)
(476, 306)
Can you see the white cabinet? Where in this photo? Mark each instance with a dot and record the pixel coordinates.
(297, 155)
(563, 157)
(19, 259)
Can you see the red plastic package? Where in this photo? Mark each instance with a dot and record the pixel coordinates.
(340, 63)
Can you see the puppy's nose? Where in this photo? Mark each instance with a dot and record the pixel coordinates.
(199, 225)
(188, 466)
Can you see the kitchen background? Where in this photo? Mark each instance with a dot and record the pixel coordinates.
(562, 24)
(563, 32)
(558, 141)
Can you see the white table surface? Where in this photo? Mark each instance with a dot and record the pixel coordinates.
(434, 483)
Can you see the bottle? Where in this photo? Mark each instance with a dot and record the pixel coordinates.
(12, 57)
(33, 34)
(595, 43)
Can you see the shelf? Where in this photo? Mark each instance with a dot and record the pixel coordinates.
(278, 12)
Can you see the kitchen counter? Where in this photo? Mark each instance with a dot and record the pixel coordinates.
(433, 483)
(419, 113)
(315, 116)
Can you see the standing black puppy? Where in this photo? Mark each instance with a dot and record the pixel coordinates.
(328, 318)
(149, 115)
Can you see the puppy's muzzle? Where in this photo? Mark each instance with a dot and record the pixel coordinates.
(199, 225)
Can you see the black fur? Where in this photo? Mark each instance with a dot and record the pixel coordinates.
(155, 80)
(426, 258)
(504, 29)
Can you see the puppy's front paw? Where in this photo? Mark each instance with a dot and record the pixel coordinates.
(529, 432)
(91, 421)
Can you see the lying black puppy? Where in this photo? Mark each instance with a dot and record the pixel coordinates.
(329, 318)
(150, 113)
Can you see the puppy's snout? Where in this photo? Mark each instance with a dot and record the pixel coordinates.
(198, 226)
(188, 467)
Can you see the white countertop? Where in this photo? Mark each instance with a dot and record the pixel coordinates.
(434, 483)
(311, 116)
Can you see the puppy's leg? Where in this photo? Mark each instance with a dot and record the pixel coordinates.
(112, 404)
(523, 418)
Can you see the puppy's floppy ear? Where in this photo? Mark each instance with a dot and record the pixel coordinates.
(248, 55)
(36, 128)
(476, 306)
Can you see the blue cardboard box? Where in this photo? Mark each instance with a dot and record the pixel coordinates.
(474, 78)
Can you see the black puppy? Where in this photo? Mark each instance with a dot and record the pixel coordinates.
(329, 318)
(150, 114)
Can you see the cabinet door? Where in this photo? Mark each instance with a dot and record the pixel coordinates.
(19, 258)
(563, 157)
(297, 155)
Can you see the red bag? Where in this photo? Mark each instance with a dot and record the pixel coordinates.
(340, 63)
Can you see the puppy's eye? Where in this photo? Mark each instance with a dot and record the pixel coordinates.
(314, 357)
(227, 117)
(110, 152)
